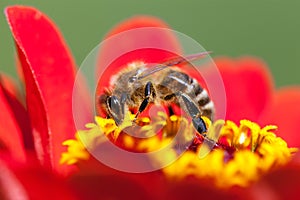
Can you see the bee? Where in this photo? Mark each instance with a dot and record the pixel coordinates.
(140, 85)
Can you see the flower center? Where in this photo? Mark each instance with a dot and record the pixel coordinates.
(229, 154)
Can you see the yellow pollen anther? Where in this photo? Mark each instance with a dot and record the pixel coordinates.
(231, 154)
(173, 118)
(76, 151)
(256, 151)
(242, 138)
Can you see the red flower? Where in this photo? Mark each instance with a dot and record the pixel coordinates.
(47, 121)
(33, 134)
(49, 73)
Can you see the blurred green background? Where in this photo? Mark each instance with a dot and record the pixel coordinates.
(269, 29)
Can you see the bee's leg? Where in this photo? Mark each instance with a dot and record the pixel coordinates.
(116, 109)
(149, 92)
(194, 111)
(171, 111)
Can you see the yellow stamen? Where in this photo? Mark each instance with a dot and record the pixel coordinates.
(76, 151)
(256, 151)
(243, 154)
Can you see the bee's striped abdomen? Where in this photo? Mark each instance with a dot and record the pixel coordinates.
(177, 81)
(205, 103)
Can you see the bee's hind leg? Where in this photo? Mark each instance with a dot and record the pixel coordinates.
(194, 111)
(149, 94)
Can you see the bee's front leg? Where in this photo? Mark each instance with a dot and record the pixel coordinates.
(149, 93)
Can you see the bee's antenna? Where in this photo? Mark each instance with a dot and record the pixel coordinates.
(173, 61)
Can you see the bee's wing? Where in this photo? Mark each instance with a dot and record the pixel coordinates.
(174, 61)
(211, 139)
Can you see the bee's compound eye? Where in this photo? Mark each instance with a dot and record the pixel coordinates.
(132, 79)
(108, 101)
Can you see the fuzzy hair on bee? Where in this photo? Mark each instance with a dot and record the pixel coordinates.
(140, 84)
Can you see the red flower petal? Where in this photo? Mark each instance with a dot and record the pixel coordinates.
(49, 72)
(31, 182)
(82, 104)
(147, 45)
(285, 113)
(10, 133)
(10, 185)
(112, 186)
(248, 85)
(193, 188)
(281, 184)
(159, 37)
(20, 114)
